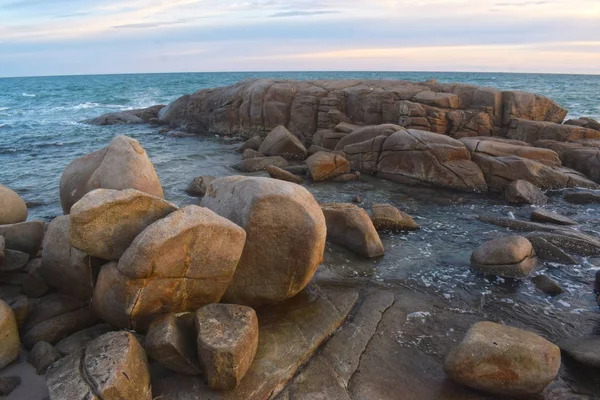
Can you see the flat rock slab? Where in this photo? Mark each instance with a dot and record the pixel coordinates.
(541, 215)
(289, 334)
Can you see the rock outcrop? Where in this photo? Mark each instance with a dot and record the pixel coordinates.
(128, 117)
(497, 147)
(123, 164)
(12, 207)
(285, 241)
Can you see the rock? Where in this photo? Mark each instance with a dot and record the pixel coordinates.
(65, 268)
(167, 268)
(249, 154)
(128, 117)
(503, 360)
(541, 215)
(584, 122)
(113, 366)
(523, 192)
(571, 241)
(55, 329)
(12, 207)
(353, 176)
(585, 350)
(364, 156)
(581, 155)
(281, 142)
(345, 127)
(367, 133)
(518, 104)
(324, 166)
(227, 342)
(13, 260)
(8, 384)
(171, 341)
(173, 113)
(350, 226)
(2, 249)
(79, 340)
(42, 356)
(583, 198)
(532, 131)
(25, 236)
(315, 149)
(356, 199)
(419, 157)
(511, 256)
(331, 139)
(387, 217)
(278, 173)
(300, 170)
(285, 240)
(10, 345)
(501, 171)
(252, 143)
(198, 185)
(547, 285)
(34, 285)
(495, 148)
(105, 222)
(21, 306)
(260, 164)
(123, 164)
(549, 252)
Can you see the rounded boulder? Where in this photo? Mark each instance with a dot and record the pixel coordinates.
(12, 207)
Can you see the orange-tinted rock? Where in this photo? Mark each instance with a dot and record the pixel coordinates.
(324, 166)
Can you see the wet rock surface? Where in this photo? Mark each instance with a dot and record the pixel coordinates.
(511, 257)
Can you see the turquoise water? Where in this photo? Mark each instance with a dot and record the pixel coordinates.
(40, 128)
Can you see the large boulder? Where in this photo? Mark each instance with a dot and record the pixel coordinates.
(350, 226)
(523, 192)
(511, 257)
(419, 157)
(227, 342)
(105, 222)
(24, 236)
(113, 366)
(286, 235)
(503, 360)
(281, 142)
(177, 264)
(69, 270)
(10, 345)
(324, 166)
(532, 131)
(498, 148)
(12, 207)
(123, 164)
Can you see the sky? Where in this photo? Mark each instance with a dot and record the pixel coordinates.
(63, 37)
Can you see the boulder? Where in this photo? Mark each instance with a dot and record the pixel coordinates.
(511, 257)
(65, 268)
(496, 148)
(8, 384)
(105, 222)
(54, 329)
(324, 166)
(541, 215)
(198, 185)
(252, 143)
(352, 176)
(547, 285)
(550, 252)
(285, 241)
(260, 164)
(419, 157)
(532, 131)
(249, 154)
(113, 366)
(584, 122)
(583, 198)
(127, 117)
(281, 142)
(300, 170)
(42, 356)
(25, 236)
(10, 345)
(571, 241)
(177, 264)
(585, 350)
(173, 113)
(350, 226)
(79, 340)
(13, 261)
(529, 106)
(387, 217)
(20, 305)
(523, 192)
(227, 342)
(281, 174)
(34, 285)
(12, 207)
(123, 164)
(330, 139)
(503, 360)
(171, 341)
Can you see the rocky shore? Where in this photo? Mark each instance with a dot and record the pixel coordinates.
(129, 296)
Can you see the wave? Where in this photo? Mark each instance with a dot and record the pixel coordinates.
(4, 108)
(28, 95)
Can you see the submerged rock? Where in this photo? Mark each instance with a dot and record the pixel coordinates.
(324, 166)
(523, 192)
(547, 285)
(511, 257)
(503, 360)
(12, 207)
(388, 217)
(10, 345)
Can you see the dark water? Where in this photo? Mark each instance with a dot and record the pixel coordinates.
(40, 134)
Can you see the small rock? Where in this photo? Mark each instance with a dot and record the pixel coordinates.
(541, 215)
(42, 356)
(79, 340)
(260, 164)
(281, 142)
(324, 166)
(523, 192)
(10, 345)
(25, 236)
(12, 207)
(249, 154)
(354, 176)
(356, 199)
(13, 261)
(281, 174)
(547, 285)
(8, 384)
(198, 185)
(583, 198)
(350, 226)
(511, 257)
(252, 143)
(171, 342)
(503, 360)
(585, 349)
(227, 343)
(388, 217)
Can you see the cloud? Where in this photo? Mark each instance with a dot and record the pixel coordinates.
(301, 13)
(142, 25)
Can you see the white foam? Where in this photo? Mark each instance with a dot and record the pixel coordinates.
(28, 95)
